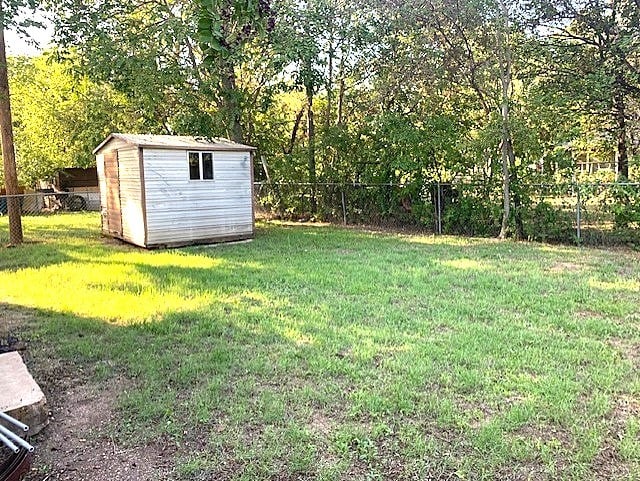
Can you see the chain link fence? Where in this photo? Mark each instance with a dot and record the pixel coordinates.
(594, 214)
(43, 203)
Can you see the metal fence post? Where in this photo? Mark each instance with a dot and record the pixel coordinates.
(344, 207)
(578, 213)
(439, 202)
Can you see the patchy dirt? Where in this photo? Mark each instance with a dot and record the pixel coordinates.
(81, 441)
(588, 314)
(12, 320)
(561, 267)
(607, 464)
(625, 407)
(627, 349)
(546, 434)
(321, 424)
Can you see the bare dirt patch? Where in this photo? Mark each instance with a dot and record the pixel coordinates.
(588, 314)
(12, 320)
(608, 465)
(81, 440)
(546, 434)
(321, 424)
(627, 349)
(625, 407)
(561, 267)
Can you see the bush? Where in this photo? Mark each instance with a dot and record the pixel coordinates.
(624, 202)
(544, 222)
(472, 215)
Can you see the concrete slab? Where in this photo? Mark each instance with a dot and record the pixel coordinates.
(20, 395)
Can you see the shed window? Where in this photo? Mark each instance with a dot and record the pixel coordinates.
(201, 165)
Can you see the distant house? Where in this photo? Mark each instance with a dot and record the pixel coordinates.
(161, 190)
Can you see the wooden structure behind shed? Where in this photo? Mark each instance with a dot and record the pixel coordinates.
(165, 191)
(76, 178)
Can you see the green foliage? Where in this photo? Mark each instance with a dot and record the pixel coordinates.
(545, 222)
(13, 14)
(60, 117)
(406, 93)
(474, 211)
(624, 201)
(146, 51)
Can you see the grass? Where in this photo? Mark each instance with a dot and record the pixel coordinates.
(326, 353)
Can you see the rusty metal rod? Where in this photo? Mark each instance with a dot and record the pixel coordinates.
(4, 440)
(14, 421)
(15, 438)
(17, 467)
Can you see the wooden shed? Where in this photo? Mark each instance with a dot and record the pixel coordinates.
(169, 191)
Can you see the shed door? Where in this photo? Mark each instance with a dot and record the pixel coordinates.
(114, 212)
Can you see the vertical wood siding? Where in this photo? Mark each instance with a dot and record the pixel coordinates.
(180, 210)
(102, 184)
(130, 192)
(114, 211)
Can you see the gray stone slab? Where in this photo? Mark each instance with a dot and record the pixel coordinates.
(20, 395)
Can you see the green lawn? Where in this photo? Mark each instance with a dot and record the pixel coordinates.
(324, 353)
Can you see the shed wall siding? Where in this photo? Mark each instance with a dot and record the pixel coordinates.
(131, 195)
(183, 210)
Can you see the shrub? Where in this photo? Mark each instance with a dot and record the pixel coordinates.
(544, 222)
(473, 215)
(624, 202)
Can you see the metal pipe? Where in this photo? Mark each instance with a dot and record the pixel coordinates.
(17, 439)
(14, 421)
(439, 210)
(578, 213)
(4, 440)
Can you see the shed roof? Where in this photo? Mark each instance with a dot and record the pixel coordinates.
(178, 142)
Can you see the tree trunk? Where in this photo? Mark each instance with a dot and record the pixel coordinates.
(231, 105)
(294, 133)
(341, 88)
(329, 84)
(341, 103)
(621, 135)
(506, 148)
(8, 151)
(506, 144)
(311, 148)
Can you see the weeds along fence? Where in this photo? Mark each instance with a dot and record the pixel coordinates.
(589, 213)
(594, 214)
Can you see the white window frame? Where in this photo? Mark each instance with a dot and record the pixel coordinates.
(200, 169)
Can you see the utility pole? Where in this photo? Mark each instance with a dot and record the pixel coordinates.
(8, 150)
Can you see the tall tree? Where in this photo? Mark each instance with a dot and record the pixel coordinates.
(8, 12)
(301, 40)
(60, 116)
(593, 56)
(146, 50)
(227, 31)
(474, 41)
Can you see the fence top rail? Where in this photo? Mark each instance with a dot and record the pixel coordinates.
(364, 184)
(47, 194)
(454, 183)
